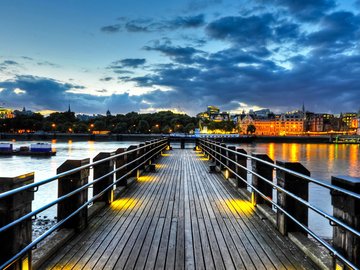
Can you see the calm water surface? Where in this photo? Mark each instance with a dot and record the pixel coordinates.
(322, 160)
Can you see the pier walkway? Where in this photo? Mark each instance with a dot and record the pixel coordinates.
(180, 217)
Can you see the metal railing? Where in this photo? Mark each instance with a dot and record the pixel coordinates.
(150, 151)
(214, 150)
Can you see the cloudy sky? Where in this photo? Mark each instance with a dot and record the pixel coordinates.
(181, 55)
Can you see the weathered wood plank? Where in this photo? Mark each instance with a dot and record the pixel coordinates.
(181, 217)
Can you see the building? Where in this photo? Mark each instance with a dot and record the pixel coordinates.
(291, 123)
(209, 117)
(347, 120)
(6, 113)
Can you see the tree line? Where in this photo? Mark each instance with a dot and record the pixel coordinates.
(159, 122)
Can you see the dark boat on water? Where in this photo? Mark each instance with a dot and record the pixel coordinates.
(35, 149)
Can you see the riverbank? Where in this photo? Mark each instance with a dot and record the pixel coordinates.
(145, 137)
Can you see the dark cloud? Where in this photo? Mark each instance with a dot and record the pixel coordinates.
(339, 31)
(183, 55)
(40, 93)
(106, 79)
(152, 25)
(130, 62)
(245, 31)
(122, 66)
(47, 63)
(8, 63)
(111, 28)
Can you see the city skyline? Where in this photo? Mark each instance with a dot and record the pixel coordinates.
(180, 56)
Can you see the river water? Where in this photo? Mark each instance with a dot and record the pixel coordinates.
(322, 160)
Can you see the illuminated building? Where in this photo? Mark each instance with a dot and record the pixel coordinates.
(212, 114)
(291, 123)
(348, 120)
(6, 113)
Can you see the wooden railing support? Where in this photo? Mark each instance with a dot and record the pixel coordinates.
(298, 187)
(68, 184)
(265, 171)
(119, 162)
(347, 209)
(241, 171)
(12, 208)
(130, 157)
(230, 162)
(100, 170)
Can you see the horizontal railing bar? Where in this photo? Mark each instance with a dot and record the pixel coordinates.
(305, 177)
(43, 208)
(312, 207)
(60, 175)
(58, 225)
(324, 243)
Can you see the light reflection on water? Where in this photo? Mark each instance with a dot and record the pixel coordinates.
(323, 161)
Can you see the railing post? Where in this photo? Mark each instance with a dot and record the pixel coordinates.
(223, 153)
(141, 153)
(130, 157)
(182, 143)
(298, 187)
(68, 184)
(147, 152)
(12, 208)
(347, 209)
(241, 160)
(265, 171)
(230, 162)
(100, 170)
(217, 155)
(121, 161)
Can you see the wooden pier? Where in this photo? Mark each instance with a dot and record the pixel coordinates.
(179, 217)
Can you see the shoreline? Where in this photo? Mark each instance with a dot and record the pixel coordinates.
(144, 137)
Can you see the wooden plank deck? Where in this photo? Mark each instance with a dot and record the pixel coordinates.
(181, 217)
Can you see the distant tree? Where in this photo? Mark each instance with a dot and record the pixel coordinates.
(121, 127)
(143, 126)
(99, 125)
(155, 129)
(250, 129)
(166, 129)
(189, 127)
(81, 128)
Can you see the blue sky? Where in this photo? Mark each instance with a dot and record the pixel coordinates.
(183, 55)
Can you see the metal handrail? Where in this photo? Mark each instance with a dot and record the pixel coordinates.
(306, 203)
(305, 177)
(321, 241)
(90, 201)
(59, 199)
(60, 175)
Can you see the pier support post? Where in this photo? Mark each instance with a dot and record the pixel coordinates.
(230, 162)
(130, 157)
(68, 184)
(182, 143)
(217, 155)
(265, 171)
(347, 209)
(213, 151)
(223, 153)
(241, 160)
(141, 153)
(147, 152)
(12, 208)
(120, 161)
(298, 187)
(100, 170)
